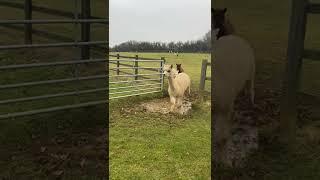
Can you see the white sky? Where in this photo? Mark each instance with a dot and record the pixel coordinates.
(158, 20)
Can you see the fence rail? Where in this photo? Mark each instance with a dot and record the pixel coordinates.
(41, 9)
(138, 64)
(83, 17)
(64, 44)
(203, 76)
(53, 21)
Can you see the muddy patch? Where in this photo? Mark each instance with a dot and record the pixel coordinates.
(163, 106)
(244, 142)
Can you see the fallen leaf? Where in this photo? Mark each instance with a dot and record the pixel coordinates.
(83, 161)
(58, 173)
(43, 149)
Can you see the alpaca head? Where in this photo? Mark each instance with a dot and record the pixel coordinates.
(169, 70)
(221, 22)
(178, 66)
(219, 16)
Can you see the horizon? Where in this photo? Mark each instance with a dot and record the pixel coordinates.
(193, 40)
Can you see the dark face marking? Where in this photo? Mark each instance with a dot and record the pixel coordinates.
(179, 68)
(219, 19)
(218, 16)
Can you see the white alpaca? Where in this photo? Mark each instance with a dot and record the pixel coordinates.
(233, 69)
(178, 84)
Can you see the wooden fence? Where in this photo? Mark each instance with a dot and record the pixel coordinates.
(203, 76)
(295, 54)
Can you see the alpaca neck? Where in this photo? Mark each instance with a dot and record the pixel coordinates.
(171, 83)
(225, 30)
(222, 32)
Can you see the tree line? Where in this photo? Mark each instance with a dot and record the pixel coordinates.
(201, 45)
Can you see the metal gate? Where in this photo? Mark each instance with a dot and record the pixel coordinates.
(20, 98)
(132, 76)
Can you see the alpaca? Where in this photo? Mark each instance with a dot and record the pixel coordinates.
(178, 84)
(234, 70)
(179, 68)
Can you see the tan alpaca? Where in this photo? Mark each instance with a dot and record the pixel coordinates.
(178, 84)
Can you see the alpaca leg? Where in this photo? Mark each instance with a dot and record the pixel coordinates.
(252, 86)
(189, 91)
(249, 90)
(173, 102)
(252, 91)
(223, 126)
(179, 102)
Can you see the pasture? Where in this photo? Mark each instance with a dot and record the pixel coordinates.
(265, 24)
(144, 145)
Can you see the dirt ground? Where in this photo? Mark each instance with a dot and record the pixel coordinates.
(163, 106)
(66, 155)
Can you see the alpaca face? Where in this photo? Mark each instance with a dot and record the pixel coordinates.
(170, 71)
(178, 67)
(167, 69)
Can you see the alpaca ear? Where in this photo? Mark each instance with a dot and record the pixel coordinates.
(224, 10)
(171, 66)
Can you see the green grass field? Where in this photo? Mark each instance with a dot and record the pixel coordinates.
(154, 146)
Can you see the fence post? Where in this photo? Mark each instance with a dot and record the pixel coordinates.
(28, 27)
(136, 68)
(203, 74)
(161, 73)
(118, 64)
(288, 107)
(85, 28)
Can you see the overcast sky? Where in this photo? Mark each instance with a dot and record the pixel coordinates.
(158, 20)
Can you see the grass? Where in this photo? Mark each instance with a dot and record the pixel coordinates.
(155, 146)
